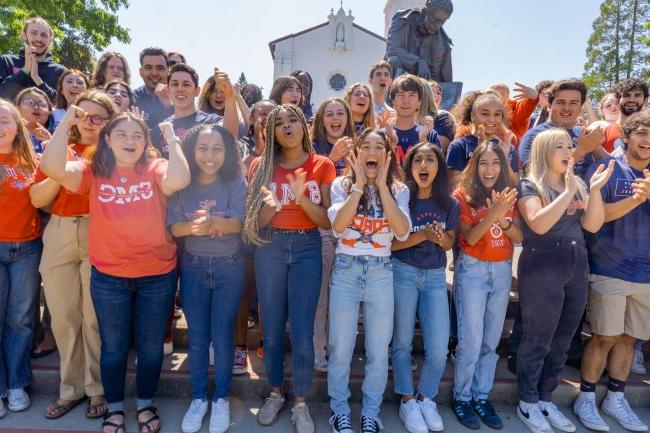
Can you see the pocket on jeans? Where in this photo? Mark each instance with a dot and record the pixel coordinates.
(343, 261)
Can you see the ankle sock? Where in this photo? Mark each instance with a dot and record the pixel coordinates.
(615, 385)
(587, 386)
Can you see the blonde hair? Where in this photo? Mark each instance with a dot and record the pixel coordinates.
(538, 167)
(22, 144)
(264, 171)
(369, 116)
(427, 104)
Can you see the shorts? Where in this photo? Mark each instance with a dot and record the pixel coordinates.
(619, 307)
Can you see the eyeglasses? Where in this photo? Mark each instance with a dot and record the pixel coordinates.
(96, 119)
(33, 103)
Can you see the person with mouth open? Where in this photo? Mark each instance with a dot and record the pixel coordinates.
(619, 281)
(72, 83)
(380, 79)
(133, 271)
(359, 98)
(34, 65)
(287, 204)
(36, 111)
(552, 270)
(369, 209)
(632, 96)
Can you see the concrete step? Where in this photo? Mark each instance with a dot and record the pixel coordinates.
(174, 381)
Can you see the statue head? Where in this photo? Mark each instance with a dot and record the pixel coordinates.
(435, 13)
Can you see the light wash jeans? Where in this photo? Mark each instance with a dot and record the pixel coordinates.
(421, 292)
(355, 280)
(481, 295)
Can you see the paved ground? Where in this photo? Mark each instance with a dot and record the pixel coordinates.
(243, 418)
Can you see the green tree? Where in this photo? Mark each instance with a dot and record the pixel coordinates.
(618, 47)
(81, 27)
(242, 80)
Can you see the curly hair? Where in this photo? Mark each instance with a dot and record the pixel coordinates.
(232, 165)
(629, 84)
(462, 112)
(98, 78)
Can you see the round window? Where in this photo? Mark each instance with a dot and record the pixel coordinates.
(337, 82)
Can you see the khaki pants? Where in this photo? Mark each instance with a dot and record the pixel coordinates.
(65, 269)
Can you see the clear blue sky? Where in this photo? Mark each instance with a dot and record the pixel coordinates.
(501, 40)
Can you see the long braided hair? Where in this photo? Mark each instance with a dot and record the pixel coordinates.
(264, 171)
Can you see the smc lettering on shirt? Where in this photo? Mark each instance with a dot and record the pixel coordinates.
(286, 196)
(121, 194)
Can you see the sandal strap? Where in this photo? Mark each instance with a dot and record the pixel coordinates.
(149, 409)
(146, 423)
(115, 412)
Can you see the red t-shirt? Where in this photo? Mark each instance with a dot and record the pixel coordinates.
(66, 203)
(19, 220)
(320, 171)
(494, 246)
(612, 133)
(127, 235)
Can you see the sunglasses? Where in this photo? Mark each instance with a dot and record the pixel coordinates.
(96, 119)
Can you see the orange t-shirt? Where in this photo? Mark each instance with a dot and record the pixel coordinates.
(66, 203)
(19, 221)
(127, 235)
(613, 133)
(320, 171)
(519, 114)
(494, 246)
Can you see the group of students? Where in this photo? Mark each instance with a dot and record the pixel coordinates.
(347, 211)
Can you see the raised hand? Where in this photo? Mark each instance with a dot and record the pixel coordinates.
(73, 116)
(427, 128)
(41, 133)
(601, 176)
(297, 182)
(570, 182)
(641, 187)
(29, 59)
(270, 200)
(341, 148)
(522, 92)
(357, 163)
(167, 130)
(383, 165)
(222, 82)
(590, 139)
(162, 92)
(501, 202)
(135, 111)
(435, 233)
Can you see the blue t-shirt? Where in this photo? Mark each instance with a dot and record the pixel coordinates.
(426, 254)
(461, 150)
(153, 111)
(444, 124)
(580, 167)
(407, 138)
(181, 126)
(620, 248)
(221, 199)
(325, 149)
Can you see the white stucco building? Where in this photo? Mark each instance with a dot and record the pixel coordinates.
(336, 53)
(393, 6)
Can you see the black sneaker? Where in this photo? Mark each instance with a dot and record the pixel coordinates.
(488, 415)
(341, 423)
(465, 414)
(371, 424)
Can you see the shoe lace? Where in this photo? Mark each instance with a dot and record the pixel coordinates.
(624, 409)
(536, 416)
(300, 414)
(638, 357)
(18, 395)
(274, 401)
(240, 356)
(369, 423)
(341, 421)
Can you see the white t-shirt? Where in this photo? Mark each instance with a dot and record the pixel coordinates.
(369, 233)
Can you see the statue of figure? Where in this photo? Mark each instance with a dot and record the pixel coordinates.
(418, 44)
(340, 33)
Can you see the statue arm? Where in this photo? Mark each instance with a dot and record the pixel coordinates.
(446, 71)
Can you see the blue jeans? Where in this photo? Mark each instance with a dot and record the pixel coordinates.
(357, 279)
(211, 289)
(19, 288)
(287, 276)
(125, 304)
(421, 292)
(482, 290)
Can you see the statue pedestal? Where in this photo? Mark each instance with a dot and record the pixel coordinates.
(451, 92)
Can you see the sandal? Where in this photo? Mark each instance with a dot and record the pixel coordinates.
(61, 409)
(118, 427)
(98, 410)
(146, 423)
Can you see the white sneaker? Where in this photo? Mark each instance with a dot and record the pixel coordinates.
(556, 418)
(3, 409)
(268, 413)
(616, 406)
(320, 363)
(18, 400)
(409, 412)
(429, 412)
(586, 410)
(532, 418)
(638, 364)
(220, 416)
(193, 418)
(168, 348)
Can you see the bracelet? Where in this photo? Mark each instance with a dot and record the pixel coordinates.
(506, 228)
(355, 188)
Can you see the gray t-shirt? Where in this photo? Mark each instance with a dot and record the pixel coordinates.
(222, 199)
(568, 226)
